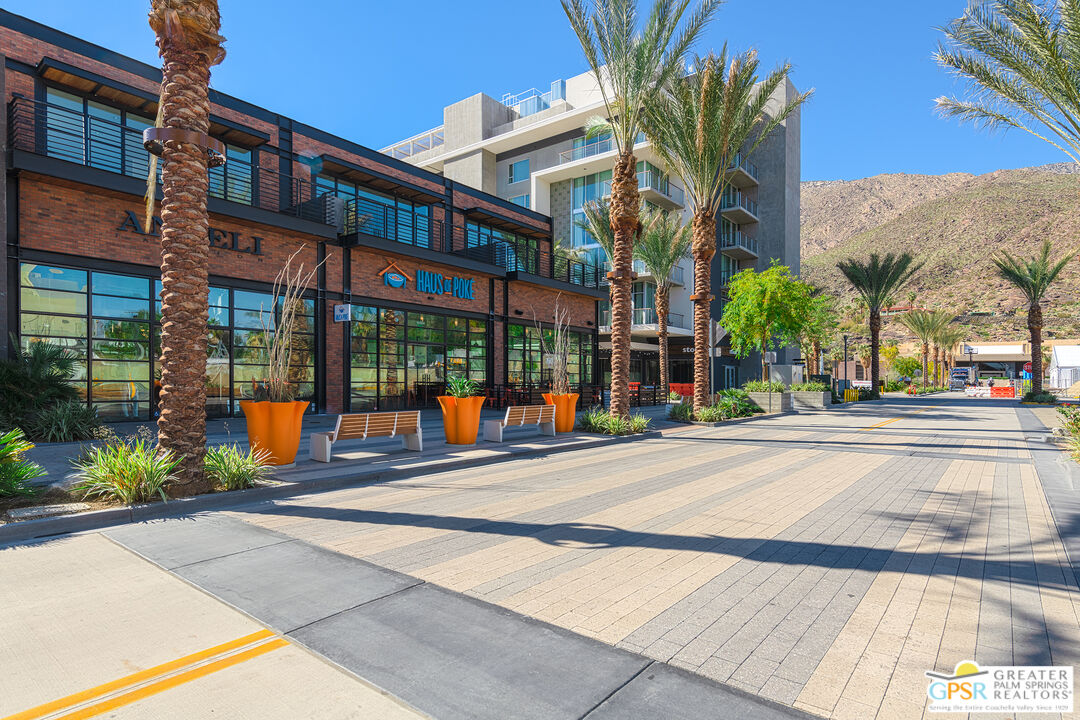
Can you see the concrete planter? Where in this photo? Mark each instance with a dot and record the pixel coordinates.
(809, 400)
(772, 402)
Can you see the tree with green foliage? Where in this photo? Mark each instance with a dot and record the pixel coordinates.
(820, 329)
(1021, 62)
(698, 126)
(875, 280)
(633, 66)
(888, 353)
(906, 366)
(923, 324)
(1033, 278)
(664, 242)
(767, 310)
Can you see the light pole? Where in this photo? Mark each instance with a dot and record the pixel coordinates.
(845, 363)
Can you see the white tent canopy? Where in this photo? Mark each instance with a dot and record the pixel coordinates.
(1064, 366)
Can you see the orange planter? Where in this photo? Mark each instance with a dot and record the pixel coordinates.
(275, 426)
(461, 418)
(565, 410)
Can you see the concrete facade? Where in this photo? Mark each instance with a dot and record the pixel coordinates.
(546, 129)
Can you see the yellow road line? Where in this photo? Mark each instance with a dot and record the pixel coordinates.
(138, 677)
(883, 423)
(173, 681)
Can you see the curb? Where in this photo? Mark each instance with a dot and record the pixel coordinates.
(97, 519)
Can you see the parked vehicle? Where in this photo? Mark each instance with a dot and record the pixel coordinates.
(959, 378)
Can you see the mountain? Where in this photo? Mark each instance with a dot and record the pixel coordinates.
(954, 224)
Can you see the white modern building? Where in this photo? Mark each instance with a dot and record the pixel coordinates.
(530, 148)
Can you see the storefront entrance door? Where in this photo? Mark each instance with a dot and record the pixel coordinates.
(426, 374)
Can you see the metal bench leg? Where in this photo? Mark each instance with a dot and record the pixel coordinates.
(547, 429)
(493, 430)
(320, 447)
(413, 442)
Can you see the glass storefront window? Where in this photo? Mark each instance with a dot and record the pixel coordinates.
(526, 364)
(113, 323)
(402, 358)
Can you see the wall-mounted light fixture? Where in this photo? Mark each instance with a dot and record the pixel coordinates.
(518, 312)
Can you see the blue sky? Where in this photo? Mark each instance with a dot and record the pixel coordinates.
(376, 72)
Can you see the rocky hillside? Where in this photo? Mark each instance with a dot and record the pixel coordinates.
(954, 223)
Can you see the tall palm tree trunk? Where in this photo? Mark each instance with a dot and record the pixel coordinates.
(875, 344)
(624, 225)
(703, 248)
(934, 352)
(1035, 326)
(661, 322)
(925, 363)
(189, 45)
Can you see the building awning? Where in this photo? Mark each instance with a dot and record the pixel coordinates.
(372, 179)
(131, 98)
(499, 222)
(644, 347)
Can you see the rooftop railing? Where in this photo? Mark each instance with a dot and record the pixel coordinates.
(417, 144)
(86, 139)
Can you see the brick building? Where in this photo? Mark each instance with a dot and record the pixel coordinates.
(420, 277)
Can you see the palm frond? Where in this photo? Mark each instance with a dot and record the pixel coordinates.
(665, 240)
(879, 277)
(1032, 277)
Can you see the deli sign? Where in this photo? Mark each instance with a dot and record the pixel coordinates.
(219, 239)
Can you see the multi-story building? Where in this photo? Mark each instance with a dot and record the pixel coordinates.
(530, 149)
(421, 276)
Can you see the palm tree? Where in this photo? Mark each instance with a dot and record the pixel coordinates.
(924, 324)
(697, 127)
(631, 69)
(189, 43)
(664, 241)
(948, 337)
(876, 280)
(1020, 61)
(597, 222)
(1033, 277)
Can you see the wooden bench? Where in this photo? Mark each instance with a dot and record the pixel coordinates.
(543, 416)
(362, 426)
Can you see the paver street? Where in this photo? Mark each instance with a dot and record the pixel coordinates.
(823, 561)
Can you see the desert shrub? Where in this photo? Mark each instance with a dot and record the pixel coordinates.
(683, 412)
(1070, 419)
(65, 421)
(459, 386)
(868, 394)
(233, 469)
(895, 386)
(1040, 397)
(674, 397)
(810, 387)
(130, 472)
(638, 423)
(764, 386)
(16, 471)
(711, 413)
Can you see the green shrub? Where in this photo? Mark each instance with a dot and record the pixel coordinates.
(674, 397)
(895, 386)
(810, 387)
(65, 421)
(683, 412)
(36, 378)
(15, 471)
(732, 394)
(1070, 419)
(598, 420)
(868, 394)
(764, 386)
(130, 472)
(711, 413)
(233, 469)
(1040, 397)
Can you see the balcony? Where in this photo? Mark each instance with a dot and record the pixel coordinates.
(390, 222)
(659, 189)
(723, 278)
(742, 173)
(738, 245)
(416, 144)
(94, 142)
(644, 322)
(677, 274)
(587, 150)
(737, 207)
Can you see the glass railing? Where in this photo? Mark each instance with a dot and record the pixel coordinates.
(675, 320)
(643, 316)
(587, 150)
(734, 199)
(741, 162)
(677, 273)
(736, 239)
(649, 179)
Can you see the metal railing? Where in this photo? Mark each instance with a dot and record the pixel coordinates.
(501, 396)
(643, 316)
(735, 238)
(677, 276)
(734, 198)
(85, 139)
(649, 179)
(743, 163)
(587, 150)
(392, 222)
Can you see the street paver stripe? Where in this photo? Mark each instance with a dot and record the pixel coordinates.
(174, 681)
(138, 677)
